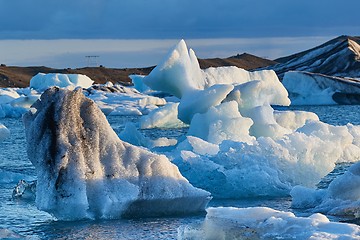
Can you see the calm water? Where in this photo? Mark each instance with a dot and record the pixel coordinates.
(22, 217)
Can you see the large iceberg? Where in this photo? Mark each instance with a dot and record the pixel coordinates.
(85, 171)
(266, 223)
(42, 81)
(260, 151)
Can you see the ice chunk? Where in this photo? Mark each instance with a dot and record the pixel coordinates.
(223, 122)
(259, 93)
(294, 119)
(199, 101)
(266, 223)
(85, 171)
(139, 84)
(271, 167)
(163, 117)
(198, 146)
(341, 198)
(178, 73)
(43, 81)
(4, 132)
(25, 190)
(120, 100)
(7, 95)
(307, 89)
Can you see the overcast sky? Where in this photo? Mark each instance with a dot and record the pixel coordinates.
(173, 19)
(52, 19)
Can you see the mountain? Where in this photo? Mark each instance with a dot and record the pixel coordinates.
(245, 61)
(20, 76)
(337, 57)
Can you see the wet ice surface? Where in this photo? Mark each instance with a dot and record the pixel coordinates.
(22, 217)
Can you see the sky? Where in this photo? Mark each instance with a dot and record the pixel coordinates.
(164, 20)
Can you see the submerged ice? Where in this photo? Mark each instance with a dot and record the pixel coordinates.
(85, 171)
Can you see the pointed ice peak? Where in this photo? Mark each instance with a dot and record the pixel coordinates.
(178, 73)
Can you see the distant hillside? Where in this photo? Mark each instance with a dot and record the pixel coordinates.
(337, 57)
(245, 61)
(20, 76)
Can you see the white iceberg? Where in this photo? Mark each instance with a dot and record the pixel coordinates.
(266, 223)
(162, 117)
(261, 152)
(42, 81)
(270, 167)
(221, 123)
(178, 73)
(199, 101)
(85, 171)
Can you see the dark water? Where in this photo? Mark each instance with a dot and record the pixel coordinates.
(22, 217)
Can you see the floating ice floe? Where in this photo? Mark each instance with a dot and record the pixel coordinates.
(42, 81)
(85, 171)
(266, 223)
(120, 100)
(341, 198)
(4, 132)
(16, 101)
(313, 88)
(261, 152)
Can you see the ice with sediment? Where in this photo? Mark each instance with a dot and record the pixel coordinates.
(266, 223)
(342, 197)
(85, 171)
(4, 132)
(42, 81)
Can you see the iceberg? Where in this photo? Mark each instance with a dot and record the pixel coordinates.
(178, 73)
(114, 99)
(266, 223)
(341, 198)
(307, 88)
(162, 117)
(4, 132)
(42, 81)
(86, 172)
(261, 151)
